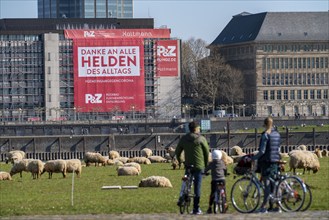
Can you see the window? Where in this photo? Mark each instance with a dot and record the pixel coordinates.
(272, 94)
(278, 95)
(48, 56)
(305, 94)
(285, 94)
(292, 95)
(318, 94)
(325, 94)
(265, 95)
(299, 94)
(49, 84)
(312, 93)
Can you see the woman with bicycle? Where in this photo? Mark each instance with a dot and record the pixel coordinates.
(268, 157)
(218, 172)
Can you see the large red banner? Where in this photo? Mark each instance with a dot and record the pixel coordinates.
(117, 33)
(167, 58)
(109, 75)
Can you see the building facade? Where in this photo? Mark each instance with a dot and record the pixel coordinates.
(284, 60)
(85, 9)
(37, 78)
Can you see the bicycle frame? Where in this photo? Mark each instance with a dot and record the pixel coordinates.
(186, 191)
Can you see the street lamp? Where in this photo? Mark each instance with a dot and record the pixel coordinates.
(244, 108)
(20, 115)
(133, 107)
(75, 113)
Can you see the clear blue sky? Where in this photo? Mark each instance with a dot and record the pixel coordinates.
(203, 19)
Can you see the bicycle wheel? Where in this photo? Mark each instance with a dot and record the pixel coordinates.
(245, 195)
(185, 205)
(222, 202)
(291, 192)
(308, 198)
(216, 202)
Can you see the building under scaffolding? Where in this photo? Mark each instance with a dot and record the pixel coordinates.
(37, 72)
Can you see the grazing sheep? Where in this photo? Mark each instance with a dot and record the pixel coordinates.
(325, 153)
(55, 166)
(127, 171)
(140, 160)
(236, 151)
(35, 167)
(123, 159)
(171, 152)
(318, 152)
(175, 164)
(133, 164)
(227, 159)
(110, 162)
(15, 155)
(146, 152)
(19, 167)
(74, 165)
(118, 162)
(305, 160)
(157, 159)
(5, 176)
(113, 154)
(302, 147)
(155, 181)
(96, 158)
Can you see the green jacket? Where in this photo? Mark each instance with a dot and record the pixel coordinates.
(196, 150)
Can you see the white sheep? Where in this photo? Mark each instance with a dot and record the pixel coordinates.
(5, 176)
(305, 160)
(155, 181)
(236, 151)
(127, 171)
(146, 152)
(325, 153)
(35, 167)
(19, 167)
(55, 166)
(318, 152)
(123, 159)
(96, 158)
(171, 152)
(74, 165)
(302, 147)
(140, 160)
(227, 159)
(157, 159)
(113, 154)
(133, 164)
(15, 155)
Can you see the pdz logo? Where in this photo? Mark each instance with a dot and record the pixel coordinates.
(89, 33)
(168, 51)
(93, 99)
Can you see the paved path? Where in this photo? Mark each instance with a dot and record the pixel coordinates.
(308, 215)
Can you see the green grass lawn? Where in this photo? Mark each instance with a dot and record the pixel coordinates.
(54, 196)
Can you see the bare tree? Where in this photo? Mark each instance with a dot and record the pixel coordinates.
(213, 72)
(233, 87)
(193, 51)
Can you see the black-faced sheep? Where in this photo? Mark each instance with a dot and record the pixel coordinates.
(96, 158)
(5, 176)
(305, 160)
(155, 181)
(74, 165)
(55, 166)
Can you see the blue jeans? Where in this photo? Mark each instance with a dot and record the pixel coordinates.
(197, 174)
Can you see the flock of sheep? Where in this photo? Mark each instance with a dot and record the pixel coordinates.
(300, 158)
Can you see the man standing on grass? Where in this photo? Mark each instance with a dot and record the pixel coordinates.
(196, 150)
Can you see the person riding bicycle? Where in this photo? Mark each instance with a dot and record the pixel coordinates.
(196, 150)
(268, 157)
(218, 172)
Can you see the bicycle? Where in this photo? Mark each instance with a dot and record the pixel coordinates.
(246, 193)
(186, 194)
(220, 198)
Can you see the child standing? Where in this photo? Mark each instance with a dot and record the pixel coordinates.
(218, 171)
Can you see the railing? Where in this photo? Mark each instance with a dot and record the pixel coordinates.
(45, 156)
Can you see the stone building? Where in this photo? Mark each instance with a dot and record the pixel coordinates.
(284, 60)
